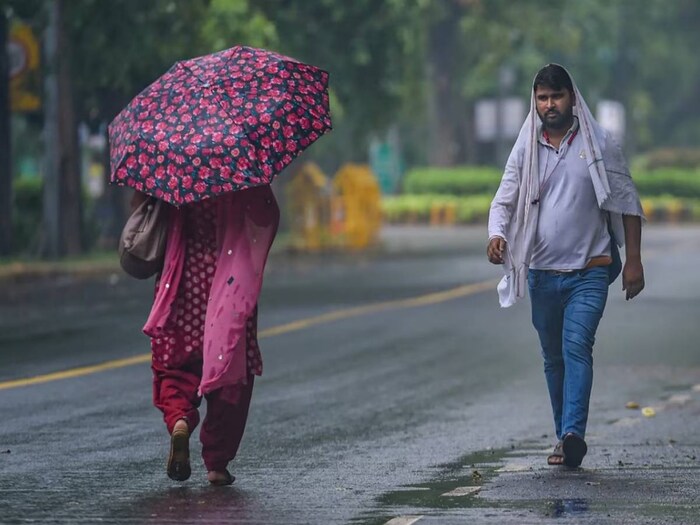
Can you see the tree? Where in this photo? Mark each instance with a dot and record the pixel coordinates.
(5, 159)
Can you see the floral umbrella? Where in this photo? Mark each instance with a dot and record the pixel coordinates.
(217, 123)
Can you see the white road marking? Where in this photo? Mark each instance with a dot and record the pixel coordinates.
(403, 520)
(462, 491)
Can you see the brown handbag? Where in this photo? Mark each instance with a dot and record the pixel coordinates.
(142, 243)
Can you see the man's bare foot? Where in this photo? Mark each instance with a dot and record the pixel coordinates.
(220, 477)
(557, 456)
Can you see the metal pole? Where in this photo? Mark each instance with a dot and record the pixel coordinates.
(5, 143)
(52, 207)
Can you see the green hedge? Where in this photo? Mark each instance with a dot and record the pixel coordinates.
(461, 180)
(680, 158)
(425, 209)
(476, 180)
(668, 181)
(420, 208)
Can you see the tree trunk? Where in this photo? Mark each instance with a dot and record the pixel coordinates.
(50, 232)
(443, 109)
(5, 145)
(114, 202)
(70, 168)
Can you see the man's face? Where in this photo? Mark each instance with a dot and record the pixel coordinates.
(555, 107)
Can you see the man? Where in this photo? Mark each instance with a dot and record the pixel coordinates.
(565, 202)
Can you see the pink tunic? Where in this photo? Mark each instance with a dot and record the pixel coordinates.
(206, 298)
(183, 337)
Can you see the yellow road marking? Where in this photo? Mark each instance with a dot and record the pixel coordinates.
(422, 300)
(76, 372)
(294, 326)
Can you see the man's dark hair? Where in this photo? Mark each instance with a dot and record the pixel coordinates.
(553, 77)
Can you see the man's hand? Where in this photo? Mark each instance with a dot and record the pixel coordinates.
(632, 278)
(496, 249)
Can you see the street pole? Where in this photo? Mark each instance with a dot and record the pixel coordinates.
(5, 143)
(51, 245)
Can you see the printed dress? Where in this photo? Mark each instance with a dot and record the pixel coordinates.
(181, 340)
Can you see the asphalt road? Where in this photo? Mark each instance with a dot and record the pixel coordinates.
(432, 411)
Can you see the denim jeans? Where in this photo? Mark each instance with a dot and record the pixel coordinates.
(566, 310)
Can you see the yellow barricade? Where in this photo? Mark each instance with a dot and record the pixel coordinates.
(308, 194)
(356, 215)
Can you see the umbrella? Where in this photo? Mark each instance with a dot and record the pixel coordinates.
(217, 123)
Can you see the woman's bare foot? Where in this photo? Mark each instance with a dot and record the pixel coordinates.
(220, 477)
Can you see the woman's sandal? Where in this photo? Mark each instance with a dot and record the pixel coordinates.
(179, 458)
(574, 448)
(222, 482)
(557, 456)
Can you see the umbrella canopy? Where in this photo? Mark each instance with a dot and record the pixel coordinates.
(221, 122)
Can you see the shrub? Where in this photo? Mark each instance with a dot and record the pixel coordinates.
(26, 214)
(461, 180)
(676, 182)
(436, 208)
(688, 158)
(27, 217)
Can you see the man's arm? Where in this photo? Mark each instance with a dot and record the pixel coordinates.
(502, 208)
(633, 272)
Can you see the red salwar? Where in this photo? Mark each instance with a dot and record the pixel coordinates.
(177, 352)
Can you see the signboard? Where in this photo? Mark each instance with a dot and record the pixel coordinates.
(385, 161)
(610, 114)
(25, 81)
(512, 113)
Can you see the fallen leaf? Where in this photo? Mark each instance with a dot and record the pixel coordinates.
(632, 405)
(648, 412)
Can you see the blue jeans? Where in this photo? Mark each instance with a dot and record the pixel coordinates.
(566, 310)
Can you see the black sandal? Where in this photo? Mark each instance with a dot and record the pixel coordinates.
(179, 457)
(556, 458)
(574, 448)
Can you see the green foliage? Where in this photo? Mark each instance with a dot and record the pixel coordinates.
(119, 47)
(27, 217)
(26, 214)
(469, 180)
(461, 180)
(688, 158)
(420, 208)
(673, 182)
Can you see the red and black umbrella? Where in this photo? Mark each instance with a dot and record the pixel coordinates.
(222, 122)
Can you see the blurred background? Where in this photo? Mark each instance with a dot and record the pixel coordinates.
(427, 98)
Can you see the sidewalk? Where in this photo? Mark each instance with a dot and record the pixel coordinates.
(394, 240)
(639, 470)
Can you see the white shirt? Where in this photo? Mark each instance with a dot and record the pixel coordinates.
(571, 228)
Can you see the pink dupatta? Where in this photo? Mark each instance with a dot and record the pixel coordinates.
(247, 223)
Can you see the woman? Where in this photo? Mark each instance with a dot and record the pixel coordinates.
(203, 323)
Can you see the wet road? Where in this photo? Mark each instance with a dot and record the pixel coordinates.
(364, 417)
